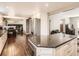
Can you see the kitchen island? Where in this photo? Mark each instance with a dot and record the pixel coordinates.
(3, 39)
(57, 45)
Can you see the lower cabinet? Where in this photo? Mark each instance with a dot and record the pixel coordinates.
(3, 39)
(67, 49)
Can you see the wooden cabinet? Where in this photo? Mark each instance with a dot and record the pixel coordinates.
(68, 49)
(3, 39)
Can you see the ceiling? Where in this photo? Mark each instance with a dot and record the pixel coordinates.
(26, 9)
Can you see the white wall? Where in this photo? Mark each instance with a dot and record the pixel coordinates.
(44, 27)
(55, 19)
(44, 24)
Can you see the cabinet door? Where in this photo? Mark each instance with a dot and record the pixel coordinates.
(3, 39)
(68, 49)
(61, 51)
(74, 47)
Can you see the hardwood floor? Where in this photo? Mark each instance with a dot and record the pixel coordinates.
(16, 47)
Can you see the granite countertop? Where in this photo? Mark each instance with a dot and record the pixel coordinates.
(53, 41)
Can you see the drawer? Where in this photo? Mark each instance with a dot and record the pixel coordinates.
(67, 52)
(71, 52)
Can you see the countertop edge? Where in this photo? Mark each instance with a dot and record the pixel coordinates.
(65, 42)
(57, 45)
